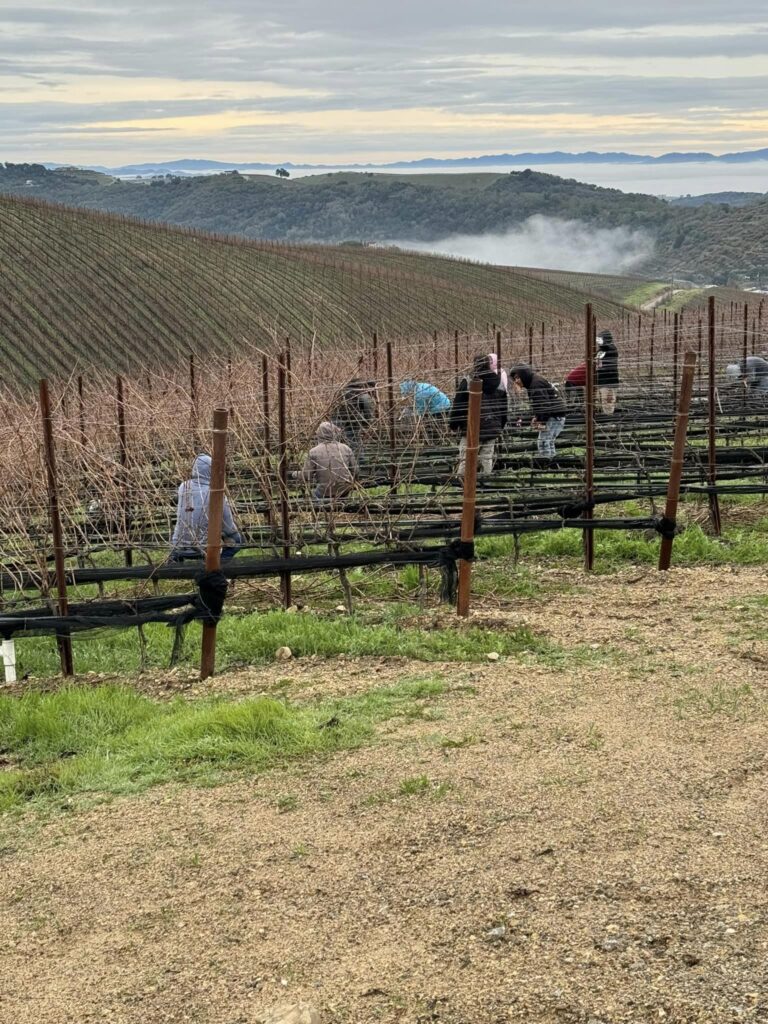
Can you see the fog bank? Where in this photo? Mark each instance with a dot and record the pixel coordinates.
(550, 243)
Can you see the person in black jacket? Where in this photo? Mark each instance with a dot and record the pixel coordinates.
(547, 407)
(607, 372)
(493, 415)
(354, 412)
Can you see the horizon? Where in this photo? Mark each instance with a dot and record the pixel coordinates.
(356, 84)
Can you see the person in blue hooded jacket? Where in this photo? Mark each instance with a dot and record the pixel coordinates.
(190, 536)
(424, 399)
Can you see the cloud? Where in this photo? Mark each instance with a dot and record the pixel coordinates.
(318, 69)
(549, 243)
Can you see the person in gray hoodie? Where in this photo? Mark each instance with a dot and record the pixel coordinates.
(190, 537)
(331, 465)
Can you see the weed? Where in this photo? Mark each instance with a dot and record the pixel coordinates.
(286, 803)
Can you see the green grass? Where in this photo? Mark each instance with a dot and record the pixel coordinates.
(250, 639)
(645, 293)
(112, 740)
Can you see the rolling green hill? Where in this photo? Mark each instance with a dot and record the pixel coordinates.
(82, 289)
(711, 243)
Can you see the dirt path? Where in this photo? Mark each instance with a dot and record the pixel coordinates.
(586, 843)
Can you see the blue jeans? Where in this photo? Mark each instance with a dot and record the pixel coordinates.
(547, 435)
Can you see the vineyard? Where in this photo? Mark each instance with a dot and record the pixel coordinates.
(84, 290)
(127, 441)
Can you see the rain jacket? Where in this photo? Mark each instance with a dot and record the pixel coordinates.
(428, 400)
(493, 408)
(191, 530)
(544, 399)
(331, 465)
(607, 361)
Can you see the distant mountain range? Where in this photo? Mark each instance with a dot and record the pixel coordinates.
(196, 166)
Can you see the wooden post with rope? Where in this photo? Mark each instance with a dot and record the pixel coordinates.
(215, 517)
(470, 493)
(63, 639)
(714, 503)
(678, 455)
(588, 534)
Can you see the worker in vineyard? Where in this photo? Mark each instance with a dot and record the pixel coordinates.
(503, 379)
(547, 407)
(190, 536)
(331, 467)
(493, 416)
(355, 412)
(607, 372)
(753, 376)
(575, 386)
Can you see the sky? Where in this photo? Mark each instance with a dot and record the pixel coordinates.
(374, 80)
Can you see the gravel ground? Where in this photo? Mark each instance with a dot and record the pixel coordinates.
(590, 846)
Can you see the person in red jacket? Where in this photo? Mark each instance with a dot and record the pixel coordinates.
(575, 384)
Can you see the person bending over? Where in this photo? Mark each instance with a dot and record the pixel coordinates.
(190, 536)
(575, 386)
(607, 372)
(547, 407)
(331, 466)
(493, 416)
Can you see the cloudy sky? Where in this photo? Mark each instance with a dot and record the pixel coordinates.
(100, 81)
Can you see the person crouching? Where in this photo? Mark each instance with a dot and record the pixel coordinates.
(331, 466)
(190, 536)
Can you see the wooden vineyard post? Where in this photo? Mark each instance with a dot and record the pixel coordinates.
(456, 355)
(470, 493)
(530, 346)
(194, 416)
(675, 355)
(375, 352)
(745, 350)
(81, 415)
(63, 639)
(588, 535)
(714, 503)
(215, 516)
(265, 400)
(498, 351)
(282, 473)
(391, 417)
(678, 455)
(123, 440)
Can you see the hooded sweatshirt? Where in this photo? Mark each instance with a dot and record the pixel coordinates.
(331, 464)
(493, 408)
(545, 401)
(504, 385)
(607, 361)
(192, 511)
(428, 400)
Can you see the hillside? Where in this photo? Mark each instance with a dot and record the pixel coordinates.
(84, 289)
(710, 242)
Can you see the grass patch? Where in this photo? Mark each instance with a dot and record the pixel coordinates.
(112, 740)
(720, 699)
(250, 639)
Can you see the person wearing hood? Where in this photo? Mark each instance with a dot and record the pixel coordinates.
(190, 536)
(331, 466)
(607, 372)
(756, 377)
(493, 415)
(547, 407)
(494, 359)
(424, 399)
(354, 412)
